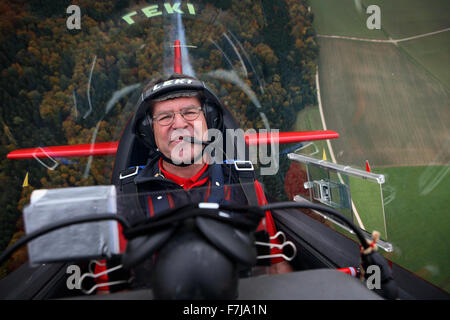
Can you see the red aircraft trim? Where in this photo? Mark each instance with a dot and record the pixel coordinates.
(79, 150)
(110, 148)
(177, 66)
(290, 137)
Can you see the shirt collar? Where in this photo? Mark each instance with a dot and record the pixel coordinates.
(188, 183)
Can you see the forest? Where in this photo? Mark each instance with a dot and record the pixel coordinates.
(51, 94)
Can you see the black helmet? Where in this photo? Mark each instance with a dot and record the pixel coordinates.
(174, 86)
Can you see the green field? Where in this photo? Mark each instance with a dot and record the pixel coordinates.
(342, 18)
(389, 103)
(417, 220)
(416, 210)
(366, 196)
(399, 18)
(385, 107)
(432, 53)
(308, 119)
(406, 18)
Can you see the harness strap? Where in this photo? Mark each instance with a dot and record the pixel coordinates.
(217, 194)
(126, 179)
(161, 202)
(247, 182)
(127, 186)
(246, 175)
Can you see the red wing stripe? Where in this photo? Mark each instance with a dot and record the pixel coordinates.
(289, 137)
(79, 150)
(110, 148)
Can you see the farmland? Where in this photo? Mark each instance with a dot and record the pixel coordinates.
(406, 18)
(384, 105)
(342, 18)
(308, 119)
(431, 53)
(388, 101)
(417, 219)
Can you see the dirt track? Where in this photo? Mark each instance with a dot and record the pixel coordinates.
(393, 41)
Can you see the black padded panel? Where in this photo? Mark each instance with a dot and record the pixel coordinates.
(320, 284)
(329, 248)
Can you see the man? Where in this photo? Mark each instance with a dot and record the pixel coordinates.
(172, 121)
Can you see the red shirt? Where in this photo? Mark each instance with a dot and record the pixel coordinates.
(183, 182)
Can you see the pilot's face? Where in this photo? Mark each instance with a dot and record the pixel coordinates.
(169, 138)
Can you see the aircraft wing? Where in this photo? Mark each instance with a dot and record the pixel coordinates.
(79, 150)
(290, 137)
(110, 148)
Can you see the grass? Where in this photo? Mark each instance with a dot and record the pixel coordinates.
(418, 223)
(389, 111)
(432, 54)
(416, 218)
(383, 105)
(366, 196)
(406, 18)
(390, 106)
(308, 119)
(416, 209)
(399, 18)
(342, 18)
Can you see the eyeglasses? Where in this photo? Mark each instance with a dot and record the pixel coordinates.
(167, 118)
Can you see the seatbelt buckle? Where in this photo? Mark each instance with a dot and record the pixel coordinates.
(243, 165)
(129, 173)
